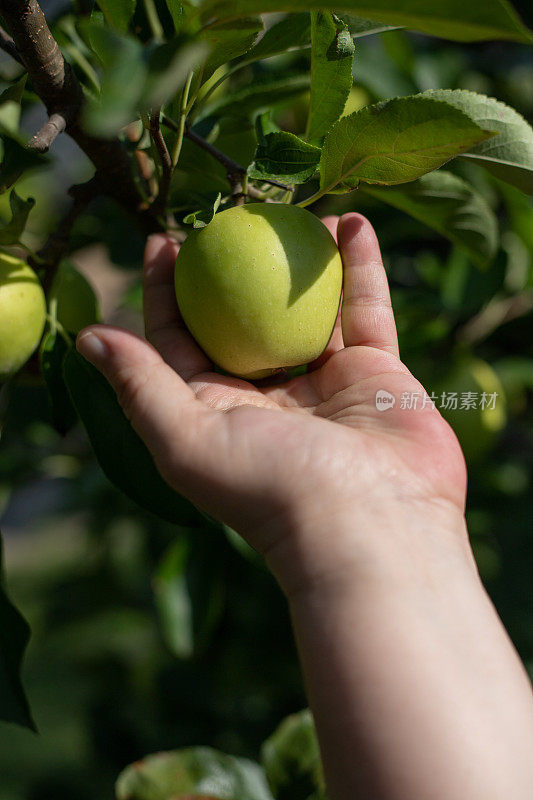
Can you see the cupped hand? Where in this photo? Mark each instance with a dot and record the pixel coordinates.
(281, 462)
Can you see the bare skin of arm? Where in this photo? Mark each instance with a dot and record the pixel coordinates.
(416, 690)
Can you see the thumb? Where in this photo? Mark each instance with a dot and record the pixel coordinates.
(160, 406)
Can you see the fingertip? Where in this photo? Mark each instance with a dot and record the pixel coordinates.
(331, 222)
(160, 254)
(356, 231)
(91, 346)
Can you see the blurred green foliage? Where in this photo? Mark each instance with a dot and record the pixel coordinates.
(125, 659)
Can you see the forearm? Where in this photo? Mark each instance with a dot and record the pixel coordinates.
(415, 688)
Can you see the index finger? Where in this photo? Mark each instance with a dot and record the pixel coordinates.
(367, 317)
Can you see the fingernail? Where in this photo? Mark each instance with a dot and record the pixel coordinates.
(91, 347)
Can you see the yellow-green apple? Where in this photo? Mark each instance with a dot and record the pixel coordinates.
(259, 288)
(22, 313)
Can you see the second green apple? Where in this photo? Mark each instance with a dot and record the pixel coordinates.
(259, 288)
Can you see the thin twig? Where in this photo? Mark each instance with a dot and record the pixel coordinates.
(232, 167)
(52, 128)
(8, 46)
(180, 128)
(166, 162)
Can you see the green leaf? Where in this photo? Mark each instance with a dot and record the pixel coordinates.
(465, 289)
(10, 105)
(11, 232)
(199, 219)
(294, 33)
(16, 159)
(14, 637)
(192, 772)
(189, 588)
(451, 19)
(121, 453)
(332, 51)
(135, 78)
(395, 141)
(77, 305)
(177, 12)
(52, 354)
(228, 40)
(291, 33)
(122, 84)
(291, 759)
(452, 207)
(365, 27)
(260, 95)
(118, 13)
(509, 155)
(168, 67)
(264, 124)
(283, 156)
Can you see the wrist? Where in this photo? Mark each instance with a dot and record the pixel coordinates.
(322, 550)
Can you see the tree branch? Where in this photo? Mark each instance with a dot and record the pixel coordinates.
(57, 86)
(8, 46)
(43, 139)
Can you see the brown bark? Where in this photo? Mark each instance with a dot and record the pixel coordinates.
(57, 86)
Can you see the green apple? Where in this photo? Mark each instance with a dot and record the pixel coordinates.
(476, 428)
(22, 313)
(77, 304)
(259, 288)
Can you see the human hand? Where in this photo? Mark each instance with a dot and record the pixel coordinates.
(414, 686)
(281, 463)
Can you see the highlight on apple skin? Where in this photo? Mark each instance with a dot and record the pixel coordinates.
(259, 288)
(22, 313)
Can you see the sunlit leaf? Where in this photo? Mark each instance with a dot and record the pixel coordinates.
(332, 51)
(509, 155)
(394, 142)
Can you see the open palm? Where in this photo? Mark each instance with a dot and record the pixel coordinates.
(260, 457)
